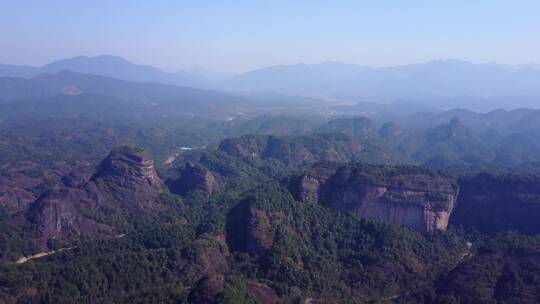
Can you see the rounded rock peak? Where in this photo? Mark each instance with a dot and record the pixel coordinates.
(127, 165)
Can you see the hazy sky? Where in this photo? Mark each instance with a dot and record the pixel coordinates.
(241, 35)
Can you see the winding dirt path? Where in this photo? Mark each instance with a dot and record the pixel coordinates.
(38, 255)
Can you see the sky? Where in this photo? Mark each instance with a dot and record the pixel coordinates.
(236, 36)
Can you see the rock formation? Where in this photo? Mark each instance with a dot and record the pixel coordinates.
(490, 204)
(250, 229)
(410, 196)
(57, 216)
(129, 167)
(126, 181)
(197, 178)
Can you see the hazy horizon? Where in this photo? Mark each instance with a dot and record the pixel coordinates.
(242, 36)
(196, 67)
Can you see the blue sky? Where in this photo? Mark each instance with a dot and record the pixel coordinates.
(241, 35)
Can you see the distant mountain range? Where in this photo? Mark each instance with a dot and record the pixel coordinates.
(435, 79)
(309, 79)
(72, 92)
(442, 83)
(110, 66)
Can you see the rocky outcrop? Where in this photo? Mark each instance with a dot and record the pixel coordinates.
(408, 196)
(127, 179)
(260, 233)
(205, 257)
(251, 229)
(491, 204)
(124, 183)
(57, 216)
(129, 167)
(197, 178)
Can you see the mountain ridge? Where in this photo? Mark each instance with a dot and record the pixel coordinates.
(443, 78)
(109, 66)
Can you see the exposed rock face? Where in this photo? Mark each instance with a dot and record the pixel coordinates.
(252, 230)
(127, 178)
(260, 234)
(129, 167)
(198, 178)
(205, 257)
(58, 217)
(125, 182)
(410, 197)
(490, 204)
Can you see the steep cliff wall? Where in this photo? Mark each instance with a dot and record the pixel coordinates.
(125, 182)
(129, 167)
(495, 203)
(406, 196)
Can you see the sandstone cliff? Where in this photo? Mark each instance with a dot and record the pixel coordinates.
(251, 229)
(57, 216)
(409, 196)
(129, 167)
(124, 183)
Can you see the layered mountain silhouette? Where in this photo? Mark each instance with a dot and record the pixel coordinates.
(435, 79)
(308, 79)
(110, 66)
(445, 83)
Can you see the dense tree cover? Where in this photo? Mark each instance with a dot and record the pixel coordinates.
(332, 255)
(270, 125)
(15, 240)
(252, 232)
(500, 269)
(78, 140)
(315, 252)
(491, 203)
